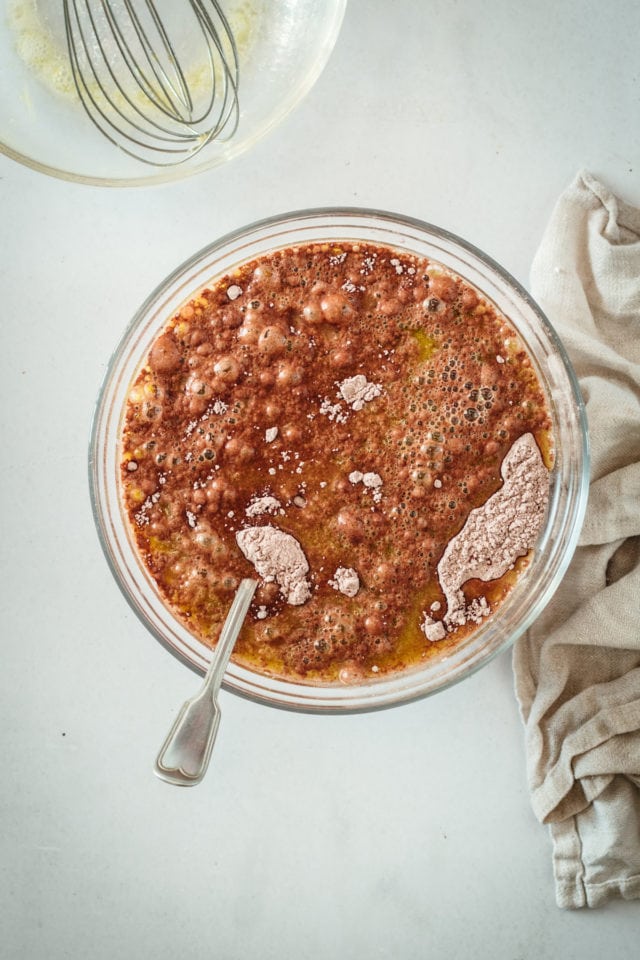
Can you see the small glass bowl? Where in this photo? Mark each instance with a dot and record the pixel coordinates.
(283, 46)
(569, 477)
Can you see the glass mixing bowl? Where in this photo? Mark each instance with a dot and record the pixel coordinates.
(283, 46)
(569, 477)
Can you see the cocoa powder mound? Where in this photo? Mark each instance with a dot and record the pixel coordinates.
(501, 530)
(346, 580)
(278, 556)
(262, 505)
(357, 391)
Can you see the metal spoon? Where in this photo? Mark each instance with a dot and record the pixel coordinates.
(185, 754)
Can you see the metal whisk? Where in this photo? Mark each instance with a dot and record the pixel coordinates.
(158, 79)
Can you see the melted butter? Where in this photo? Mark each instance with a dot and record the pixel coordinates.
(544, 439)
(156, 545)
(427, 345)
(39, 45)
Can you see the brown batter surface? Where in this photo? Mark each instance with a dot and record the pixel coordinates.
(357, 398)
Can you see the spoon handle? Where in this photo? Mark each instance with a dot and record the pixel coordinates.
(184, 756)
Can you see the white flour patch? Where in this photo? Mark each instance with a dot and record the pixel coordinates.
(497, 533)
(277, 556)
(346, 580)
(263, 505)
(356, 391)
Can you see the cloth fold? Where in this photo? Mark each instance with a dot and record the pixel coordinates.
(577, 670)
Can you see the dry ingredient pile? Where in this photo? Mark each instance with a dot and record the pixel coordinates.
(359, 429)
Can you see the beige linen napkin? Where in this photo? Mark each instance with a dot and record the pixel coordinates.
(577, 671)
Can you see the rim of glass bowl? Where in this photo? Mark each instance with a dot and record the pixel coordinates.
(569, 477)
(333, 15)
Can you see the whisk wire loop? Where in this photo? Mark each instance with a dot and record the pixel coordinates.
(231, 71)
(131, 80)
(99, 101)
(166, 87)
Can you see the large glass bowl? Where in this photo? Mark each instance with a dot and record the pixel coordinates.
(283, 46)
(569, 477)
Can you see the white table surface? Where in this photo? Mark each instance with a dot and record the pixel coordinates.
(402, 834)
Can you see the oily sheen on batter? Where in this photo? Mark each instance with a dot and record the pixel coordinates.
(358, 428)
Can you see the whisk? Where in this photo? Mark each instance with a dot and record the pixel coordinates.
(159, 80)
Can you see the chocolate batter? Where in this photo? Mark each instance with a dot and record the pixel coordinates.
(364, 399)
